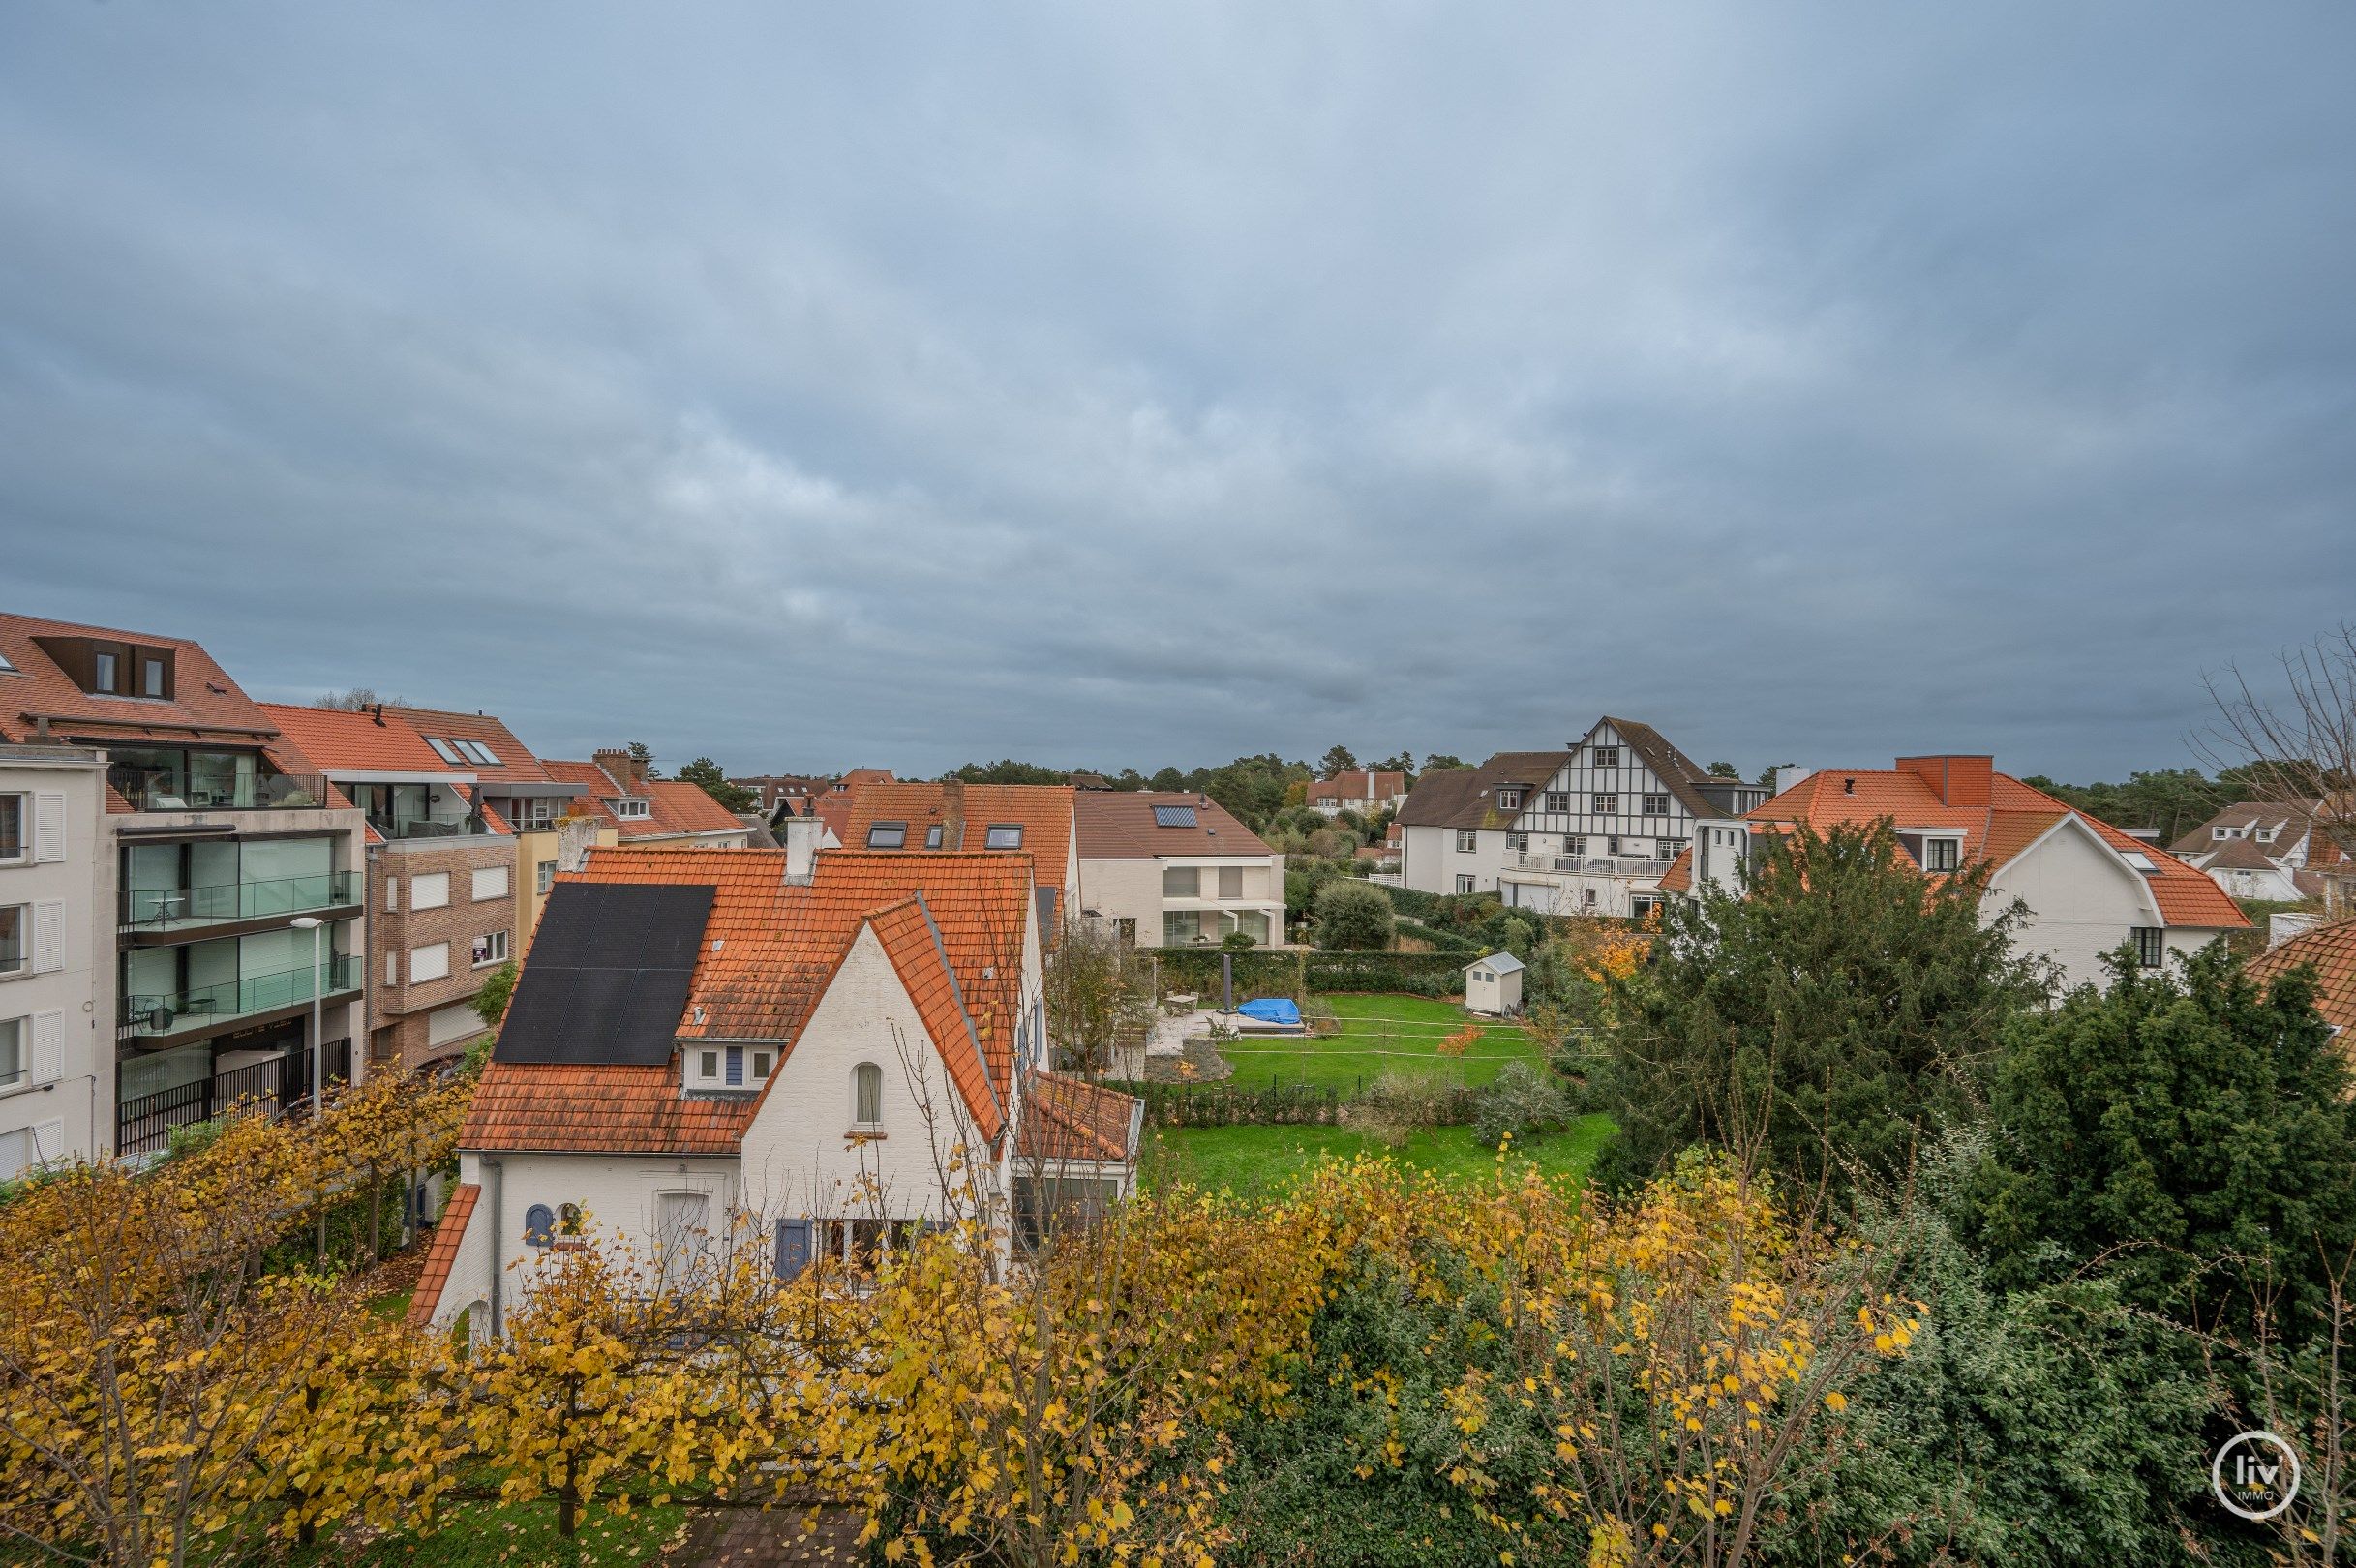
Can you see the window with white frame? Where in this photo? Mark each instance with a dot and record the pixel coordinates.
(1574, 846)
(1586, 897)
(1558, 801)
(932, 836)
(491, 947)
(633, 810)
(1467, 840)
(2220, 832)
(1464, 883)
(1509, 799)
(867, 1098)
(1604, 805)
(545, 876)
(1942, 853)
(490, 881)
(2151, 946)
(729, 1066)
(12, 836)
(429, 963)
(1181, 882)
(16, 1053)
(431, 891)
(1657, 806)
(1606, 756)
(1518, 843)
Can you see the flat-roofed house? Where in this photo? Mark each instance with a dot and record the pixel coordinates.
(1173, 869)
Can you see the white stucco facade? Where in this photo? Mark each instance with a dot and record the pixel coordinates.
(57, 905)
(1139, 897)
(2084, 900)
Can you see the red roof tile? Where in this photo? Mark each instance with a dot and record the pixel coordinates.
(515, 762)
(1118, 824)
(914, 946)
(441, 1253)
(966, 812)
(1072, 1119)
(342, 741)
(2332, 950)
(675, 807)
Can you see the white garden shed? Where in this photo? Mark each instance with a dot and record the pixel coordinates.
(1492, 984)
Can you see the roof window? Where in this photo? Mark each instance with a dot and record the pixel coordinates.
(1173, 816)
(887, 835)
(476, 751)
(444, 750)
(1004, 835)
(2141, 862)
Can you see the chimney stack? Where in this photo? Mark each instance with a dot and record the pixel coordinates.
(953, 814)
(801, 849)
(1959, 779)
(618, 765)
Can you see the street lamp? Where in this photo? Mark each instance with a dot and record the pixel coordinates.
(318, 1045)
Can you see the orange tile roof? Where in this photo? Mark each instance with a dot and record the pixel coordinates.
(342, 741)
(2015, 816)
(1072, 1119)
(2332, 950)
(914, 946)
(441, 1253)
(515, 762)
(1678, 878)
(966, 812)
(770, 948)
(206, 706)
(675, 807)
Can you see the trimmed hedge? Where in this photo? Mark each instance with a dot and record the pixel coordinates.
(1229, 1105)
(1443, 941)
(1411, 903)
(1260, 972)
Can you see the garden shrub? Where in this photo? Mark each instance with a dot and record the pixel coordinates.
(1521, 1101)
(1400, 1103)
(1353, 917)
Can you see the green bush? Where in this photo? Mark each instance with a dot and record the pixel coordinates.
(1399, 1104)
(1521, 1100)
(1353, 916)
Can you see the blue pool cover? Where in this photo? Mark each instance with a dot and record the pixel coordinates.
(1275, 1010)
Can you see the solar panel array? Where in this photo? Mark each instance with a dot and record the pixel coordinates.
(608, 976)
(1173, 816)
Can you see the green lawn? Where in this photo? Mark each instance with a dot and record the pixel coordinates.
(1265, 1161)
(1379, 1033)
(481, 1535)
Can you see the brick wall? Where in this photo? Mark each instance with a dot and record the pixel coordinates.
(399, 1012)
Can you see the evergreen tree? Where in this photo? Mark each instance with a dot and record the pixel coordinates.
(1823, 1024)
(2191, 1133)
(1354, 915)
(705, 775)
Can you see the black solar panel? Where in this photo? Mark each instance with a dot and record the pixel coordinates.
(607, 976)
(1173, 816)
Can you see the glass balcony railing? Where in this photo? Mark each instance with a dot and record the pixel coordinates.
(428, 827)
(151, 789)
(168, 909)
(163, 1014)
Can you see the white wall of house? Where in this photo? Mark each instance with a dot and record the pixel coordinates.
(1133, 889)
(1432, 860)
(57, 996)
(2242, 881)
(2084, 901)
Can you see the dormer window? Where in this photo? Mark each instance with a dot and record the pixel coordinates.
(2220, 833)
(718, 1068)
(887, 835)
(630, 809)
(2266, 835)
(1942, 853)
(1509, 799)
(1004, 835)
(105, 672)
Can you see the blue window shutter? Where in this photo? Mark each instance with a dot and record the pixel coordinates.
(793, 1248)
(540, 1224)
(735, 1067)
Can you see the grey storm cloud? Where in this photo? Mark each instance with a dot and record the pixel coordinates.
(817, 386)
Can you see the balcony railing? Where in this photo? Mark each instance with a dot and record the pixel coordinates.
(147, 790)
(428, 827)
(267, 1088)
(1630, 866)
(170, 909)
(163, 1014)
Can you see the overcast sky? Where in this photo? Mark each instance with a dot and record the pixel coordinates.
(825, 385)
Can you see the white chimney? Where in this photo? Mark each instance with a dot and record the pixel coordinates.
(801, 848)
(1789, 774)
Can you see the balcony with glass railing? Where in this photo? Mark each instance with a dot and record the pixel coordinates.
(182, 909)
(1631, 867)
(428, 827)
(151, 788)
(151, 1015)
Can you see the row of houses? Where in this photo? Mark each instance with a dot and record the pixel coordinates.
(1621, 819)
(205, 899)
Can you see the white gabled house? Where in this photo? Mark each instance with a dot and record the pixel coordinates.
(2089, 887)
(2279, 851)
(1586, 831)
(825, 1052)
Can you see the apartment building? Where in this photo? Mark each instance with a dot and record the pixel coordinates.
(440, 884)
(1171, 869)
(2089, 888)
(56, 945)
(1589, 829)
(230, 868)
(548, 816)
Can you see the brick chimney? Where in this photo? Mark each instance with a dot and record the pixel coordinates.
(1960, 780)
(619, 766)
(953, 814)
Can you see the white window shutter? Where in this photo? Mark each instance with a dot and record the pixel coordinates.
(48, 1046)
(49, 827)
(48, 937)
(49, 1142)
